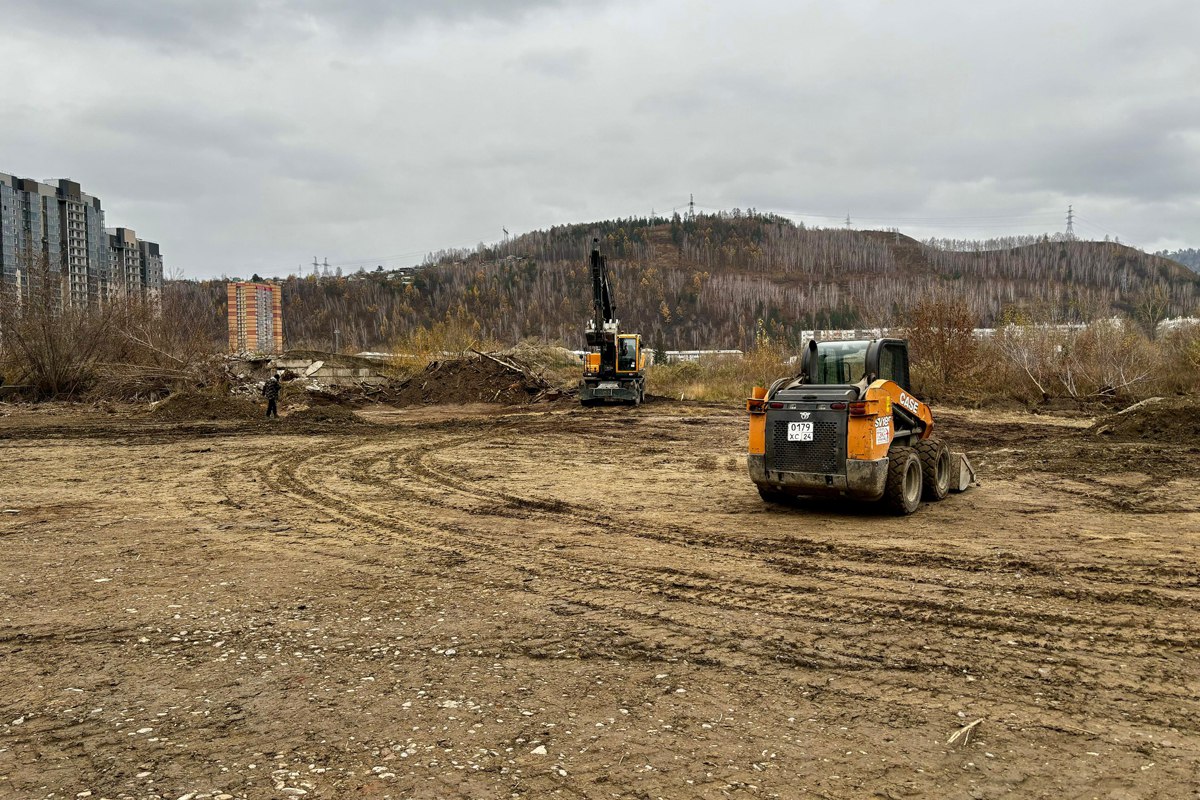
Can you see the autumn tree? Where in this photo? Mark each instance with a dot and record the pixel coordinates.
(942, 344)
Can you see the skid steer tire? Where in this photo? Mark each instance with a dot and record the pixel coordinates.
(935, 468)
(902, 493)
(772, 496)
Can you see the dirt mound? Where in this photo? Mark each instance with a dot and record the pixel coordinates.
(327, 413)
(477, 379)
(298, 396)
(204, 405)
(1158, 419)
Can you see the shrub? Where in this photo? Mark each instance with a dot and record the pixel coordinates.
(720, 378)
(943, 350)
(450, 338)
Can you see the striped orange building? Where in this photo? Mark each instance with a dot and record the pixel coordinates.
(255, 318)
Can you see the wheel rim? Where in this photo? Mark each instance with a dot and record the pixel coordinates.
(912, 482)
(943, 469)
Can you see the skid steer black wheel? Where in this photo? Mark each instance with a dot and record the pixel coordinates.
(935, 468)
(772, 496)
(902, 493)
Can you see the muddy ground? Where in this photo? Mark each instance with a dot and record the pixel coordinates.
(466, 602)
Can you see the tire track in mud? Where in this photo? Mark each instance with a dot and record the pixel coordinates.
(581, 586)
(439, 481)
(689, 632)
(491, 549)
(926, 612)
(999, 620)
(439, 476)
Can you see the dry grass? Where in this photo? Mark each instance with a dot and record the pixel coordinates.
(719, 379)
(451, 338)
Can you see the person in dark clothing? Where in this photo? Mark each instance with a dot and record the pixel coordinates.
(271, 392)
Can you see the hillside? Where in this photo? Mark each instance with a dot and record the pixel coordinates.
(707, 281)
(1189, 257)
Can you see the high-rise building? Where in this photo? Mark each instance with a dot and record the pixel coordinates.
(53, 230)
(135, 266)
(30, 232)
(84, 245)
(255, 318)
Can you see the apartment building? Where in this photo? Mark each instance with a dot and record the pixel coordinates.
(255, 317)
(85, 254)
(54, 230)
(135, 266)
(30, 231)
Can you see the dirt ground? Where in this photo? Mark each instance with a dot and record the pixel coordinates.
(472, 602)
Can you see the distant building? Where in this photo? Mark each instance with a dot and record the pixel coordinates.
(135, 266)
(30, 231)
(673, 356)
(84, 245)
(255, 318)
(54, 228)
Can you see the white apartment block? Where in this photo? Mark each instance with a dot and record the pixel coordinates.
(53, 230)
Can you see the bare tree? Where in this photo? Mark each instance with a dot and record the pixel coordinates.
(49, 343)
(1151, 307)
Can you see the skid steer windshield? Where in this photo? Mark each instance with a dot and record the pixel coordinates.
(840, 362)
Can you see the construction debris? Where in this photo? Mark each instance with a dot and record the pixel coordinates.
(323, 388)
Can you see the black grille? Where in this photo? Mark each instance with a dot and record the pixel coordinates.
(820, 455)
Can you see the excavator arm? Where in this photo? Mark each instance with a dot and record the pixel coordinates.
(603, 309)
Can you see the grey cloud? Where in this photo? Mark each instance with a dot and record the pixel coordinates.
(565, 64)
(225, 26)
(207, 24)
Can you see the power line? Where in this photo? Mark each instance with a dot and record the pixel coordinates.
(1094, 225)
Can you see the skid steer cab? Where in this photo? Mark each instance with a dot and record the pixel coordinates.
(849, 426)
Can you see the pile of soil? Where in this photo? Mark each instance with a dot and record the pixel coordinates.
(204, 405)
(327, 413)
(472, 380)
(1158, 419)
(296, 395)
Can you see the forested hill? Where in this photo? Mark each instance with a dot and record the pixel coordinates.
(706, 282)
(1189, 257)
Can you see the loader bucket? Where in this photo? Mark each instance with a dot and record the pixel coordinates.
(962, 474)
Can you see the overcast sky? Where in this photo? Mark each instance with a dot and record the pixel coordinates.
(252, 135)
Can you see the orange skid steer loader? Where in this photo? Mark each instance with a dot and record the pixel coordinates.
(848, 426)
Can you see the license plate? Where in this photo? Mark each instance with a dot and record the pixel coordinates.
(800, 431)
(608, 385)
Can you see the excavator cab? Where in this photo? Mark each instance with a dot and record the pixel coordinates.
(628, 353)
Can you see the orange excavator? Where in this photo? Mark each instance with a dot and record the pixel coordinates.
(849, 426)
(614, 367)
